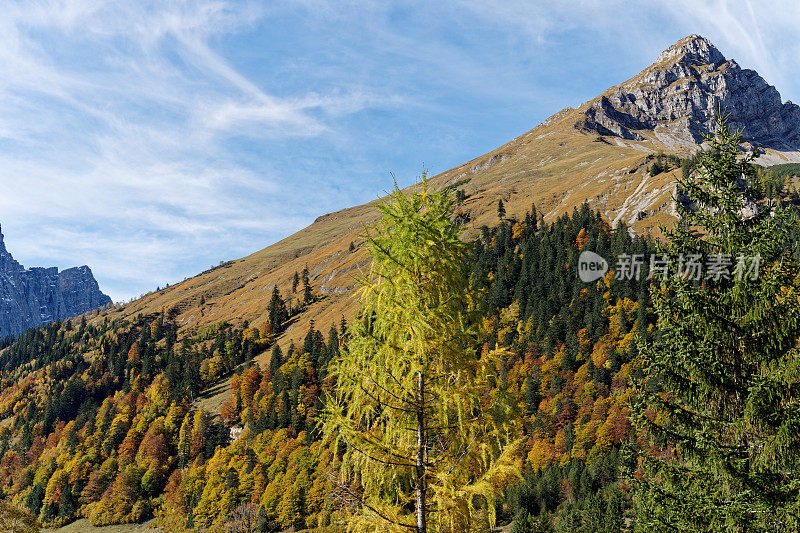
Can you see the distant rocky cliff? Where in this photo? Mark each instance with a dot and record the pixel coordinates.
(31, 297)
(677, 97)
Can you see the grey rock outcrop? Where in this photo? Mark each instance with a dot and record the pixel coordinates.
(30, 297)
(677, 97)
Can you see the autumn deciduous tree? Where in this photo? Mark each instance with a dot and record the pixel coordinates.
(245, 518)
(15, 520)
(426, 445)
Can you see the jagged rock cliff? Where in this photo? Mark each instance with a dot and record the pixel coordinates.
(35, 296)
(676, 98)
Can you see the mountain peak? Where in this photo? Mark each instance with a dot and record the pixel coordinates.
(35, 296)
(693, 48)
(673, 103)
(2, 243)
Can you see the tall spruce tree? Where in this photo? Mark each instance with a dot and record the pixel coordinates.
(720, 398)
(277, 311)
(307, 292)
(424, 442)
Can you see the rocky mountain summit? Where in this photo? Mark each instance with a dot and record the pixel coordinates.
(676, 98)
(31, 297)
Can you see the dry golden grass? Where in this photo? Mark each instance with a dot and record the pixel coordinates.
(555, 166)
(83, 526)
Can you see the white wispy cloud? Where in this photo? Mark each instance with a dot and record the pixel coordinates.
(760, 35)
(114, 118)
(151, 139)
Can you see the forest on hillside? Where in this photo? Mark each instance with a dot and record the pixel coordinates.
(628, 403)
(103, 423)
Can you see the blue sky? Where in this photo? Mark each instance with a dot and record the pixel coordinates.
(151, 140)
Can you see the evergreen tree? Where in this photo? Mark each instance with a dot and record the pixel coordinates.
(333, 343)
(532, 396)
(726, 354)
(66, 506)
(307, 293)
(285, 416)
(275, 360)
(501, 210)
(35, 498)
(409, 401)
(308, 341)
(277, 311)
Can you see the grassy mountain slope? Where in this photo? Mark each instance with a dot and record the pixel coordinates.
(555, 166)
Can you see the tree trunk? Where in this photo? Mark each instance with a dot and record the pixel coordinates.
(422, 525)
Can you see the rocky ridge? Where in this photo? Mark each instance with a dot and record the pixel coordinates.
(676, 99)
(31, 297)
